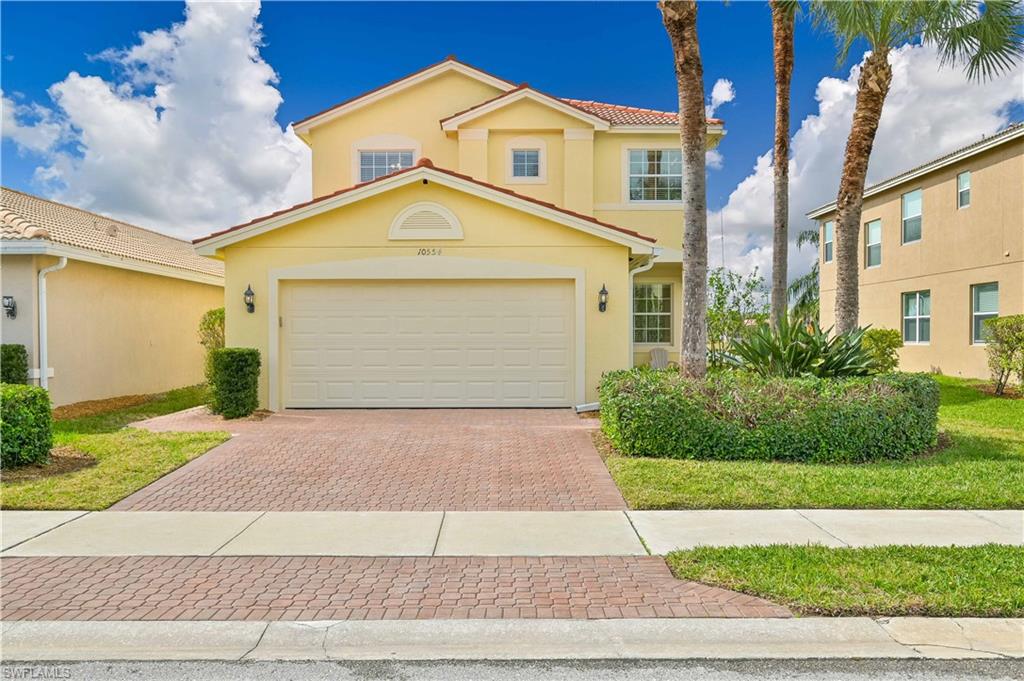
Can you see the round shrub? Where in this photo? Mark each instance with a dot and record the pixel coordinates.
(736, 415)
(13, 363)
(235, 373)
(26, 435)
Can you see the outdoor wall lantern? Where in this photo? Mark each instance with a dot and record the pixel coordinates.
(602, 299)
(248, 296)
(10, 307)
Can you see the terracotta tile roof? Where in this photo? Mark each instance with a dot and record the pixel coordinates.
(427, 163)
(23, 216)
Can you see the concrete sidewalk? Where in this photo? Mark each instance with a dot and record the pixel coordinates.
(572, 533)
(855, 637)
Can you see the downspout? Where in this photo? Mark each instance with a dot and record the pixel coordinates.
(655, 252)
(44, 368)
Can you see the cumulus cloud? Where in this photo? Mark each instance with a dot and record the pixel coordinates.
(721, 93)
(929, 111)
(183, 139)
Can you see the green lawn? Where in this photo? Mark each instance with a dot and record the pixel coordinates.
(982, 468)
(123, 459)
(975, 581)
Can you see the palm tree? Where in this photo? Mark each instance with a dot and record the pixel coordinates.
(804, 289)
(680, 19)
(783, 16)
(986, 36)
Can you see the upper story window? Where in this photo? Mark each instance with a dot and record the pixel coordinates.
(655, 175)
(984, 306)
(873, 243)
(526, 163)
(828, 237)
(374, 164)
(917, 317)
(652, 313)
(963, 189)
(911, 216)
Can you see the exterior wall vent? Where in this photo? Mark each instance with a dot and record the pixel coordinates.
(425, 220)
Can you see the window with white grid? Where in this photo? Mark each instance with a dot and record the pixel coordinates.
(374, 164)
(652, 313)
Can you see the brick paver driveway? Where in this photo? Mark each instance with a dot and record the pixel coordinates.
(388, 460)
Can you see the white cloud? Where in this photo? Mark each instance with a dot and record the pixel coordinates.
(183, 139)
(713, 158)
(928, 112)
(721, 93)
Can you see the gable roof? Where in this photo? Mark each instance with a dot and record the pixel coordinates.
(520, 92)
(602, 113)
(1007, 134)
(32, 224)
(424, 169)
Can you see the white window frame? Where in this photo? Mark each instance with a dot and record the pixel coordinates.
(827, 244)
(917, 317)
(904, 218)
(987, 315)
(386, 142)
(671, 313)
(868, 244)
(527, 143)
(960, 205)
(664, 203)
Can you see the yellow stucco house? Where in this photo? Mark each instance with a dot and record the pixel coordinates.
(472, 242)
(103, 308)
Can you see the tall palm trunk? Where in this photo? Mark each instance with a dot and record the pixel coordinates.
(680, 19)
(873, 86)
(783, 15)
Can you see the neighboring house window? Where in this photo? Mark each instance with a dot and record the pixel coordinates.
(963, 190)
(829, 235)
(873, 243)
(652, 313)
(917, 317)
(912, 216)
(655, 175)
(984, 305)
(374, 164)
(526, 163)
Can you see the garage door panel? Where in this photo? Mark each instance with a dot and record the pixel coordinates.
(427, 344)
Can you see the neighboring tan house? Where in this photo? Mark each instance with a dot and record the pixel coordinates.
(110, 308)
(941, 250)
(472, 242)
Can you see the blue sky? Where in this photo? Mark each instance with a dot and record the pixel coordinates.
(211, 148)
(327, 52)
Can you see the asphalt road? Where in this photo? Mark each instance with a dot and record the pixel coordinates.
(602, 670)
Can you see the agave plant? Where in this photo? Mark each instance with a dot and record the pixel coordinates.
(794, 349)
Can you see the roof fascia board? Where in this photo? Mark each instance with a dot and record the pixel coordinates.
(45, 247)
(885, 185)
(210, 246)
(409, 81)
(452, 124)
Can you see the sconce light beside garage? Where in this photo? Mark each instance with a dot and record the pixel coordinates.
(602, 299)
(10, 307)
(248, 295)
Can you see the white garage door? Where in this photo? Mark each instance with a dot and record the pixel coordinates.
(427, 343)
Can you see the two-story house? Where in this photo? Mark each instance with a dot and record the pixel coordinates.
(941, 250)
(472, 242)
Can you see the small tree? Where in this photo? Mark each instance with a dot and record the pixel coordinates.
(211, 337)
(1005, 350)
(804, 289)
(735, 304)
(882, 345)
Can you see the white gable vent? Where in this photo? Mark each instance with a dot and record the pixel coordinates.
(425, 220)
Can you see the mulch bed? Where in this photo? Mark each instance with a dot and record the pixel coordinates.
(93, 407)
(1009, 393)
(62, 460)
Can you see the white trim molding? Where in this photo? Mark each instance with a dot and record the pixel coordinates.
(210, 245)
(302, 128)
(527, 143)
(413, 267)
(452, 124)
(425, 220)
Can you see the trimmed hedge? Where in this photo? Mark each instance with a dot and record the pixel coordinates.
(235, 375)
(26, 435)
(735, 415)
(13, 363)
